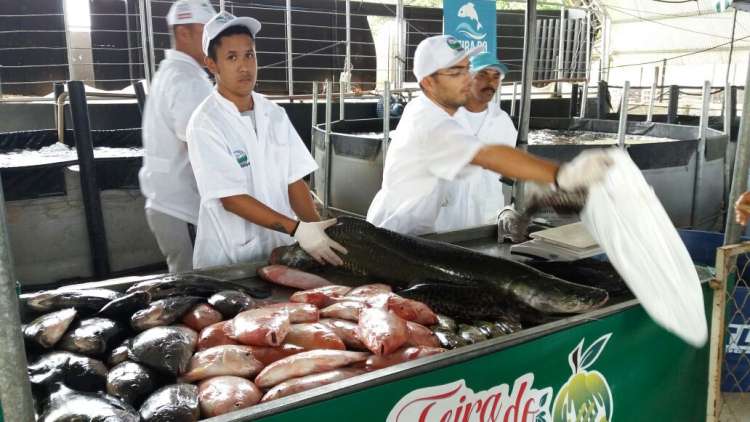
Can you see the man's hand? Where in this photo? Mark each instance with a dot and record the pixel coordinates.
(587, 168)
(313, 239)
(511, 225)
(742, 209)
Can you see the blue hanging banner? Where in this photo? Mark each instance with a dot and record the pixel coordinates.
(472, 22)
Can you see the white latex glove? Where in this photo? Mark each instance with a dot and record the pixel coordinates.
(511, 225)
(587, 168)
(313, 239)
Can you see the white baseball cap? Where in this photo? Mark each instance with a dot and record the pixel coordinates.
(439, 52)
(190, 11)
(224, 20)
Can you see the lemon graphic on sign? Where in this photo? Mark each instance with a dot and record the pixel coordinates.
(586, 396)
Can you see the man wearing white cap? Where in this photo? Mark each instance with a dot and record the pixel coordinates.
(166, 177)
(476, 199)
(431, 148)
(249, 161)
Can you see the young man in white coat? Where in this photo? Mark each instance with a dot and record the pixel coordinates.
(431, 149)
(248, 161)
(166, 177)
(476, 199)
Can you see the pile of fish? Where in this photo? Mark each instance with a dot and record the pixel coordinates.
(184, 348)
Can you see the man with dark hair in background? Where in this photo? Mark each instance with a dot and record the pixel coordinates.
(166, 177)
(249, 161)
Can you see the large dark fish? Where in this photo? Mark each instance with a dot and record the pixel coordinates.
(166, 349)
(82, 299)
(193, 285)
(47, 329)
(119, 354)
(163, 312)
(75, 371)
(588, 271)
(125, 306)
(130, 382)
(66, 405)
(173, 403)
(90, 336)
(231, 302)
(405, 261)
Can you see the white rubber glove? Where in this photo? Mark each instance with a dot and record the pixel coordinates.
(313, 239)
(587, 168)
(511, 225)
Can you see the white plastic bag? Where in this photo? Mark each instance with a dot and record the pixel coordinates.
(626, 218)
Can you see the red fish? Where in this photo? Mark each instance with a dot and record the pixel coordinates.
(381, 331)
(201, 316)
(369, 290)
(225, 394)
(314, 336)
(347, 331)
(306, 363)
(259, 327)
(285, 276)
(298, 312)
(268, 355)
(321, 296)
(411, 310)
(343, 310)
(419, 335)
(214, 335)
(222, 360)
(296, 385)
(402, 355)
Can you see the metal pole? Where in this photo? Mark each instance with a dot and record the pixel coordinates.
(386, 118)
(728, 117)
(602, 106)
(603, 54)
(561, 52)
(401, 35)
(289, 72)
(221, 6)
(573, 106)
(150, 25)
(674, 103)
(59, 89)
(650, 115)
(15, 390)
(623, 126)
(529, 52)
(140, 95)
(513, 102)
(144, 40)
(663, 74)
(314, 122)
(588, 48)
(89, 188)
(584, 98)
(741, 163)
(327, 158)
(700, 154)
(342, 91)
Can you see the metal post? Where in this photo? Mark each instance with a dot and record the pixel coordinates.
(700, 154)
(342, 102)
(386, 118)
(728, 117)
(221, 6)
(602, 105)
(588, 47)
(150, 26)
(144, 40)
(663, 75)
(15, 390)
(289, 72)
(573, 101)
(140, 95)
(89, 188)
(622, 128)
(603, 53)
(529, 52)
(741, 162)
(314, 108)
(561, 52)
(401, 35)
(650, 115)
(59, 89)
(513, 101)
(584, 98)
(674, 103)
(327, 148)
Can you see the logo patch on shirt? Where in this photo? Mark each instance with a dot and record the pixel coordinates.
(241, 157)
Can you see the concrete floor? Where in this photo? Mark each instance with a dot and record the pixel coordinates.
(735, 407)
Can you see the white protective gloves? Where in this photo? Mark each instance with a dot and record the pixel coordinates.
(313, 239)
(511, 225)
(587, 168)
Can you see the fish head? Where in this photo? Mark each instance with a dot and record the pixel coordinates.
(41, 301)
(293, 256)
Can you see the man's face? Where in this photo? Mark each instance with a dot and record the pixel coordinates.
(484, 84)
(235, 67)
(450, 86)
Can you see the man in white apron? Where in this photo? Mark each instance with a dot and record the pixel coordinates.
(432, 149)
(166, 178)
(248, 161)
(476, 199)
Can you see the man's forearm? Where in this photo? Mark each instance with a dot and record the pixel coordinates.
(302, 202)
(515, 163)
(258, 213)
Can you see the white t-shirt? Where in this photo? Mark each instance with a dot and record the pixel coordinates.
(229, 159)
(429, 149)
(476, 199)
(166, 177)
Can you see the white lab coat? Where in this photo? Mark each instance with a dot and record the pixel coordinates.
(475, 200)
(166, 177)
(429, 149)
(229, 159)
